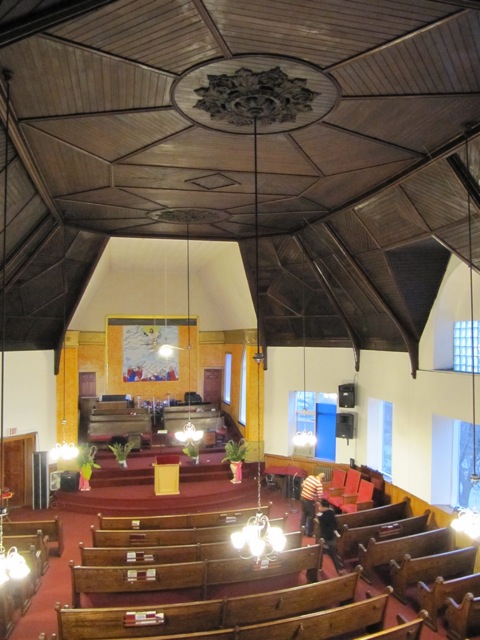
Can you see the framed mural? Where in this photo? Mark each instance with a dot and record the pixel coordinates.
(137, 353)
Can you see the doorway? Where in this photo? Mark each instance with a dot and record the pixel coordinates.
(212, 386)
(87, 384)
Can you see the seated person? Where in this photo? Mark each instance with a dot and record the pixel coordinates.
(327, 523)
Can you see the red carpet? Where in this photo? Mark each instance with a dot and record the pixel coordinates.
(55, 585)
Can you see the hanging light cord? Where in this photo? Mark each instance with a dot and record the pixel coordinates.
(7, 76)
(472, 331)
(189, 346)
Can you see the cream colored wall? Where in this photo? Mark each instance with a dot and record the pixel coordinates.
(384, 376)
(30, 396)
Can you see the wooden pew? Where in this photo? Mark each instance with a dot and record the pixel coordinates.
(7, 610)
(463, 619)
(181, 521)
(24, 542)
(355, 618)
(403, 630)
(450, 564)
(201, 574)
(433, 599)
(387, 513)
(172, 537)
(118, 556)
(180, 618)
(53, 529)
(347, 543)
(380, 553)
(103, 427)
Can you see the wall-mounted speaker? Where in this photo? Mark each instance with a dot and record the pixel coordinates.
(346, 396)
(345, 426)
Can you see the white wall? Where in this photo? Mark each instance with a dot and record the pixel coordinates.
(384, 376)
(30, 396)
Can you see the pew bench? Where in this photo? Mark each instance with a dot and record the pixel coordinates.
(102, 428)
(463, 619)
(204, 615)
(378, 553)
(181, 521)
(52, 529)
(450, 564)
(191, 575)
(347, 543)
(403, 630)
(386, 513)
(118, 556)
(24, 542)
(433, 598)
(172, 537)
(353, 619)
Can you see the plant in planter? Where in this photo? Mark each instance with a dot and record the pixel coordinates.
(235, 454)
(192, 449)
(86, 463)
(121, 451)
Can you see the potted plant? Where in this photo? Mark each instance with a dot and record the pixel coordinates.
(86, 463)
(192, 449)
(121, 451)
(235, 454)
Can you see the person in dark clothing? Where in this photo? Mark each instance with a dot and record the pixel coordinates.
(327, 523)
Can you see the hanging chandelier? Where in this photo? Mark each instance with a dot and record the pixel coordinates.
(189, 435)
(304, 438)
(468, 521)
(12, 563)
(64, 450)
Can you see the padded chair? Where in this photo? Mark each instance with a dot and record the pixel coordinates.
(363, 499)
(273, 483)
(349, 489)
(337, 482)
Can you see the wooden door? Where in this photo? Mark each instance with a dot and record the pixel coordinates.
(212, 386)
(18, 451)
(87, 384)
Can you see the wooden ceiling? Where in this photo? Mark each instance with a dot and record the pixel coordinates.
(360, 198)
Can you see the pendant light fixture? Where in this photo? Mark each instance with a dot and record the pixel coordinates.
(468, 520)
(12, 563)
(189, 435)
(258, 539)
(304, 438)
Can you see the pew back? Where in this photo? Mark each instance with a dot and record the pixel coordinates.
(433, 598)
(387, 513)
(420, 544)
(180, 618)
(117, 556)
(347, 544)
(426, 568)
(51, 528)
(463, 619)
(320, 625)
(201, 574)
(181, 521)
(173, 537)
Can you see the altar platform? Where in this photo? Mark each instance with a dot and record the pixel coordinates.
(119, 491)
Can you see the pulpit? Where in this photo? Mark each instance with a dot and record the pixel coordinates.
(167, 471)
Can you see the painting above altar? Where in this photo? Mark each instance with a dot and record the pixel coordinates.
(142, 361)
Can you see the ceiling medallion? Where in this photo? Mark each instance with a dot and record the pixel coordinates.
(280, 94)
(269, 96)
(188, 216)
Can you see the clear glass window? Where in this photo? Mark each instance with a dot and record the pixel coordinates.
(227, 378)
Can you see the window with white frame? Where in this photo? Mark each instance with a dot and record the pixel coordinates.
(379, 446)
(227, 378)
(466, 343)
(242, 417)
(305, 402)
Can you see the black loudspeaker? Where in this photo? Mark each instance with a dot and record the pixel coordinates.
(70, 480)
(345, 426)
(346, 396)
(41, 480)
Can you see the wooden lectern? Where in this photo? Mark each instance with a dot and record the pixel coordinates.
(167, 469)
